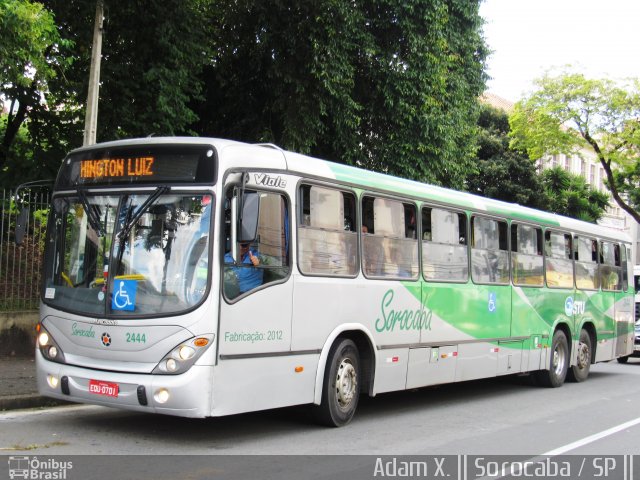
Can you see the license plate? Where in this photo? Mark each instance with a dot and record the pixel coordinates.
(106, 389)
(636, 348)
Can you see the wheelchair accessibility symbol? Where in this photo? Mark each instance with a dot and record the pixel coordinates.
(491, 305)
(124, 297)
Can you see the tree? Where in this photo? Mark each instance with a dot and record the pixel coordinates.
(570, 195)
(569, 113)
(152, 58)
(389, 85)
(153, 53)
(502, 172)
(29, 59)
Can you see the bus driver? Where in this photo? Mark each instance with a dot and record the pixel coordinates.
(249, 277)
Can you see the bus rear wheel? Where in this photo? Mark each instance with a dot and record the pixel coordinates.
(580, 371)
(558, 363)
(341, 386)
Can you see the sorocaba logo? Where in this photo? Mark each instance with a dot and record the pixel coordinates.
(106, 339)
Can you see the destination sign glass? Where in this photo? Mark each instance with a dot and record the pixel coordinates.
(193, 164)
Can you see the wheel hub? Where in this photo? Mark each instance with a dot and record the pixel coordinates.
(583, 355)
(558, 360)
(346, 383)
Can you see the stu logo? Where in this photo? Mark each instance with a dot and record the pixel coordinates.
(573, 307)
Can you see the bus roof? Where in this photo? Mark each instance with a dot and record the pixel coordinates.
(368, 180)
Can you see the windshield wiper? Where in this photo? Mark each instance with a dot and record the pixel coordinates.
(130, 222)
(92, 216)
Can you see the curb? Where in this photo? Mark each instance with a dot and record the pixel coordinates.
(16, 402)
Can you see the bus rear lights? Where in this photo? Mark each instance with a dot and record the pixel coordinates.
(183, 356)
(48, 347)
(161, 395)
(53, 381)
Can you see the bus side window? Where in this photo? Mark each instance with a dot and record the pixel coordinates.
(611, 266)
(389, 244)
(270, 250)
(526, 255)
(328, 242)
(489, 251)
(559, 263)
(444, 245)
(586, 256)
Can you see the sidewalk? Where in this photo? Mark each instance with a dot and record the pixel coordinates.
(18, 387)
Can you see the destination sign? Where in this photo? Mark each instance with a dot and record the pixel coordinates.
(117, 167)
(139, 164)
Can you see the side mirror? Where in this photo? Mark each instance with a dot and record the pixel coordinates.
(21, 225)
(248, 221)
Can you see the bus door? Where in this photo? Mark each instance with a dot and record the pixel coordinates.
(590, 304)
(255, 313)
(254, 332)
(529, 296)
(617, 278)
(615, 314)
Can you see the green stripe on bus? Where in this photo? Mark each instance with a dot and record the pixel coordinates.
(378, 181)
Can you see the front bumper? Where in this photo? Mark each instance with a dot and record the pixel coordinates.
(190, 393)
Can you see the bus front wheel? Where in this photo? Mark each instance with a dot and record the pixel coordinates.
(558, 362)
(341, 386)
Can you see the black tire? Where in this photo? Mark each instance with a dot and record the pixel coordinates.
(558, 362)
(624, 359)
(341, 386)
(580, 371)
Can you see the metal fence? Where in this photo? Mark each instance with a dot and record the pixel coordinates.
(21, 265)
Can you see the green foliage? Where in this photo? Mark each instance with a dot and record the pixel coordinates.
(388, 85)
(501, 172)
(27, 31)
(30, 58)
(570, 113)
(152, 57)
(570, 195)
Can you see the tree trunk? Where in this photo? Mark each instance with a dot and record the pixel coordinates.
(15, 122)
(612, 186)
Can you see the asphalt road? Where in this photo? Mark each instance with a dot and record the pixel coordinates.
(504, 416)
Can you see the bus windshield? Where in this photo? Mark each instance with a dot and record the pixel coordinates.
(129, 254)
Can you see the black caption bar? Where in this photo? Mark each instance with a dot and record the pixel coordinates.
(350, 467)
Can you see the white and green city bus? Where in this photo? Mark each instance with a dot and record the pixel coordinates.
(204, 277)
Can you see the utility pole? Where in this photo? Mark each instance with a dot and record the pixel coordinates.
(91, 118)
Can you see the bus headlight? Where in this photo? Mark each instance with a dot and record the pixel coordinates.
(48, 347)
(180, 359)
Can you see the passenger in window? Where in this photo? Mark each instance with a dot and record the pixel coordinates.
(246, 272)
(374, 259)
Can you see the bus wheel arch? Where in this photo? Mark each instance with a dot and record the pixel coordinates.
(347, 357)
